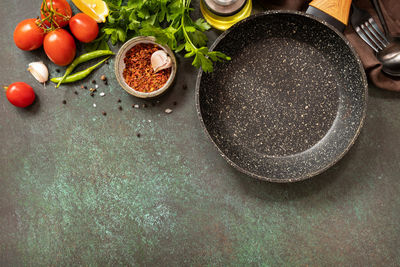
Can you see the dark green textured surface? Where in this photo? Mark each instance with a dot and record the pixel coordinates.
(78, 188)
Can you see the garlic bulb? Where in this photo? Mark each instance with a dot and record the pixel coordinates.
(160, 60)
(39, 71)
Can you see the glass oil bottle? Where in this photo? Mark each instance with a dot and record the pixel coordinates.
(222, 14)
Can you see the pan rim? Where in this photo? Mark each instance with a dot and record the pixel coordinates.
(351, 141)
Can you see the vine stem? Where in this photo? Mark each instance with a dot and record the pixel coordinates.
(51, 14)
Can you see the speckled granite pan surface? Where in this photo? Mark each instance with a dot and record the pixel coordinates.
(291, 101)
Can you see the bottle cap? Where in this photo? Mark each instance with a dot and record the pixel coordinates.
(224, 7)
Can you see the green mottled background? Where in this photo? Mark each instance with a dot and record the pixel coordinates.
(78, 188)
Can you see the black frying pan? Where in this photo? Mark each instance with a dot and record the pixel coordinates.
(292, 100)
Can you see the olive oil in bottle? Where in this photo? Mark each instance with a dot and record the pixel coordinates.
(222, 14)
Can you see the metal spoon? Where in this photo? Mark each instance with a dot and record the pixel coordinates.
(390, 58)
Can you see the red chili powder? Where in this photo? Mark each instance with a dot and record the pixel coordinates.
(138, 72)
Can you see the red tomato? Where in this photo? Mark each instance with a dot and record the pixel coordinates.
(61, 7)
(59, 46)
(83, 27)
(28, 35)
(20, 94)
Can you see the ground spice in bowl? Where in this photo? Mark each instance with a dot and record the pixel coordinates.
(138, 72)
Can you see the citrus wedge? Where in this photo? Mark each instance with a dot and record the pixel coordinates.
(96, 9)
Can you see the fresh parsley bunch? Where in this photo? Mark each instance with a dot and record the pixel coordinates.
(167, 20)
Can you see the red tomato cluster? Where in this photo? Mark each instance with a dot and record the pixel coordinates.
(58, 43)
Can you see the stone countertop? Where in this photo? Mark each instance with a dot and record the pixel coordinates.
(80, 188)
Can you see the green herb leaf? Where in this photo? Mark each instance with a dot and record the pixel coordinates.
(180, 48)
(168, 21)
(198, 38)
(121, 35)
(190, 29)
(103, 45)
(135, 4)
(143, 13)
(202, 25)
(113, 3)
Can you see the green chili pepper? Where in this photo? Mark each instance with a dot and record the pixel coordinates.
(78, 75)
(84, 58)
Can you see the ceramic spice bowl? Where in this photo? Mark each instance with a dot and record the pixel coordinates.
(120, 66)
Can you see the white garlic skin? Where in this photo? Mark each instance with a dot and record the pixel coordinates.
(39, 71)
(160, 60)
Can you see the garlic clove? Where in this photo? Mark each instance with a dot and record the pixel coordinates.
(160, 60)
(39, 71)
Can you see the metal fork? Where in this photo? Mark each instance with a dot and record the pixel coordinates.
(367, 29)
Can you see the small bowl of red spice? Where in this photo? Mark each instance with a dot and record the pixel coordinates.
(134, 69)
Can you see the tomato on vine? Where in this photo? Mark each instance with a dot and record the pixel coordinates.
(59, 46)
(55, 13)
(83, 27)
(28, 35)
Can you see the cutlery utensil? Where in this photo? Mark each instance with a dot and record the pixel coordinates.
(388, 53)
(390, 59)
(366, 27)
(378, 9)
